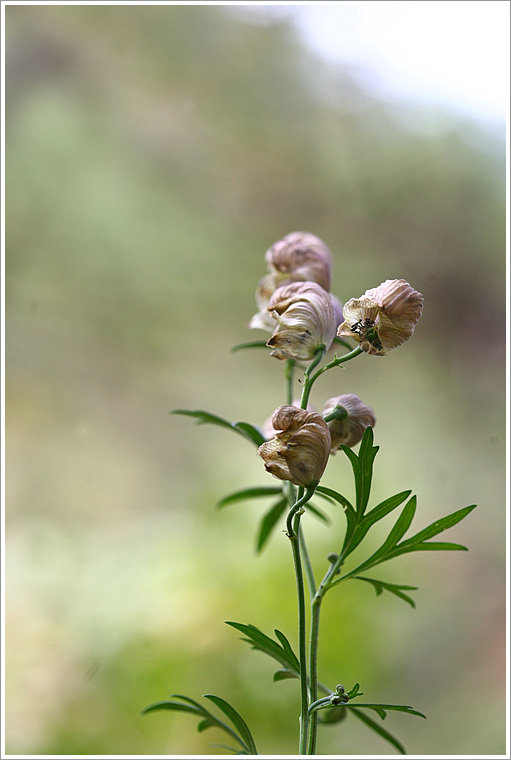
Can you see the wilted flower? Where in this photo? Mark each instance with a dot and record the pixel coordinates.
(383, 318)
(352, 418)
(305, 321)
(301, 446)
(298, 257)
(267, 428)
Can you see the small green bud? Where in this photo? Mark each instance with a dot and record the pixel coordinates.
(332, 557)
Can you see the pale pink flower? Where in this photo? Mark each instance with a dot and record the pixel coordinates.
(353, 418)
(300, 449)
(305, 321)
(383, 318)
(298, 257)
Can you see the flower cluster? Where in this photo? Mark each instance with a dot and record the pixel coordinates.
(296, 306)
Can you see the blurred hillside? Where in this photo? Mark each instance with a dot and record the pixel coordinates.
(154, 153)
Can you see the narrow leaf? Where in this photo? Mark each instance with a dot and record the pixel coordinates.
(378, 513)
(394, 588)
(236, 720)
(398, 708)
(318, 513)
(269, 522)
(253, 344)
(379, 730)
(287, 648)
(283, 674)
(426, 546)
(249, 493)
(263, 643)
(399, 529)
(249, 432)
(440, 525)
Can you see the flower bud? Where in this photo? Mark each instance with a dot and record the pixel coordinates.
(300, 256)
(350, 423)
(300, 448)
(305, 321)
(383, 318)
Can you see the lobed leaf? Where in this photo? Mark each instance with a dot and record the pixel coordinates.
(259, 641)
(185, 704)
(379, 730)
(236, 720)
(394, 588)
(245, 429)
(352, 540)
(362, 468)
(439, 525)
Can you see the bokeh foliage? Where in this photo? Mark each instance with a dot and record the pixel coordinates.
(153, 154)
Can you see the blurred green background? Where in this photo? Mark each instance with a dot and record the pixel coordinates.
(154, 153)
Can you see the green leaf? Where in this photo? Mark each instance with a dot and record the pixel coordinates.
(362, 468)
(439, 526)
(394, 588)
(252, 344)
(249, 493)
(283, 674)
(249, 431)
(259, 641)
(317, 513)
(245, 429)
(379, 730)
(181, 703)
(349, 511)
(382, 708)
(236, 720)
(403, 522)
(378, 513)
(269, 522)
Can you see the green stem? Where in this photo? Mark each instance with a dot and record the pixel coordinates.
(311, 379)
(288, 375)
(313, 656)
(293, 532)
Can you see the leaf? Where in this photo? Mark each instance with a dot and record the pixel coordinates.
(284, 655)
(236, 720)
(394, 588)
(384, 707)
(379, 730)
(245, 429)
(250, 432)
(249, 493)
(269, 522)
(185, 704)
(378, 513)
(439, 525)
(362, 468)
(317, 513)
(349, 510)
(252, 344)
(283, 674)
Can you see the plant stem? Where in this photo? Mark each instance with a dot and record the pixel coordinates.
(293, 532)
(311, 379)
(288, 375)
(313, 656)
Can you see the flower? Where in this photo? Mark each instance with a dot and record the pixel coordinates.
(305, 321)
(298, 257)
(300, 448)
(267, 428)
(383, 318)
(352, 418)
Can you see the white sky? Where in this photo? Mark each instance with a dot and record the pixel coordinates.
(441, 52)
